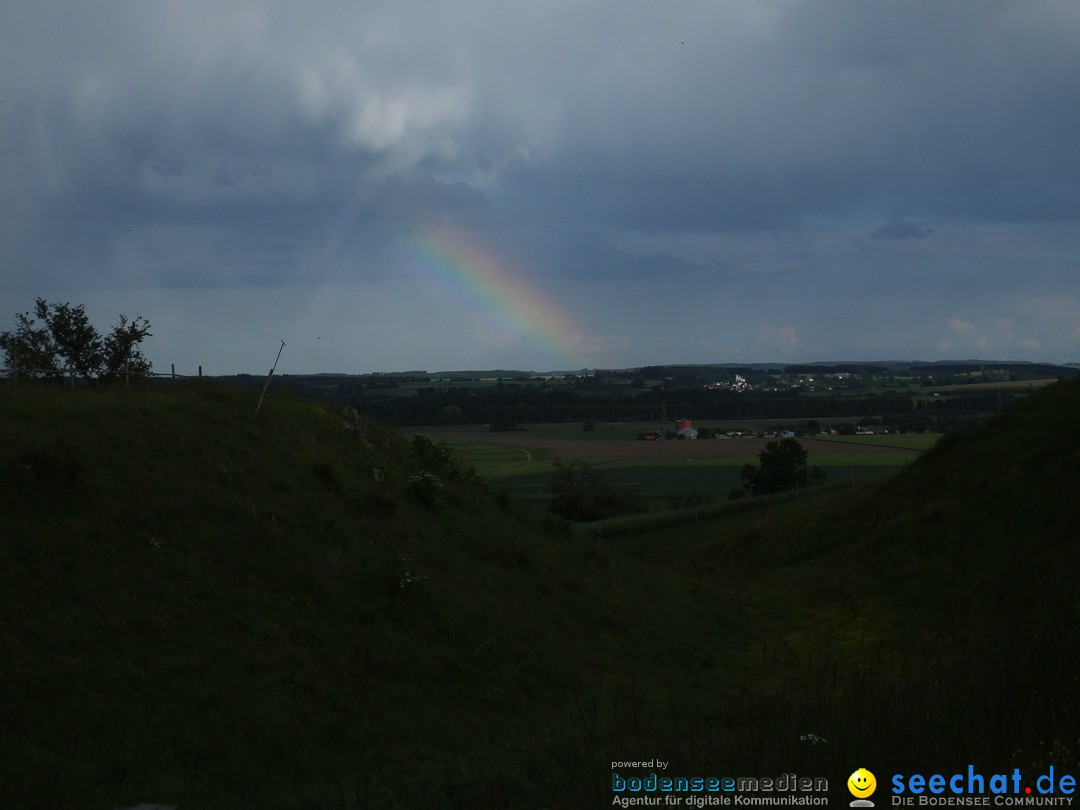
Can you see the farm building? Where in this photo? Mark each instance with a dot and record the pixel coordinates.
(683, 424)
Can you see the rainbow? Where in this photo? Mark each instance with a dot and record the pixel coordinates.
(491, 288)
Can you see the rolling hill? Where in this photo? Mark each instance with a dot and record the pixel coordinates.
(204, 607)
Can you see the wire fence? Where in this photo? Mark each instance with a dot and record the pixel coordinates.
(73, 376)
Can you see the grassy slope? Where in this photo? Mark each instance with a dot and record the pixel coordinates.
(935, 614)
(202, 607)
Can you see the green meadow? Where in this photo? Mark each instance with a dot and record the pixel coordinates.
(210, 608)
(715, 481)
(904, 441)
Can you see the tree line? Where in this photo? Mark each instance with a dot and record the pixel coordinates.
(58, 339)
(490, 406)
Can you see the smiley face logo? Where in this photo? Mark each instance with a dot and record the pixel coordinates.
(861, 783)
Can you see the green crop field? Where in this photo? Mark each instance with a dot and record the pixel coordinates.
(495, 461)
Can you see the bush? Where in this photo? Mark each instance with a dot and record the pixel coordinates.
(582, 494)
(438, 456)
(428, 488)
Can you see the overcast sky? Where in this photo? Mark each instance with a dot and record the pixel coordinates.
(454, 184)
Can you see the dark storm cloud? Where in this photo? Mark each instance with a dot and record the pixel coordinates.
(166, 145)
(787, 111)
(736, 116)
(900, 228)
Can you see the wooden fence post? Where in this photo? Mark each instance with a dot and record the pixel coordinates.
(173, 365)
(200, 372)
(268, 376)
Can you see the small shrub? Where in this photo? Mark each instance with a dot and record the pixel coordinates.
(437, 456)
(428, 488)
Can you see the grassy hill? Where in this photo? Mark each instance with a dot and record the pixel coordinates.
(205, 607)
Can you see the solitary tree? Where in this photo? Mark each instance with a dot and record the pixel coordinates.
(65, 339)
(783, 467)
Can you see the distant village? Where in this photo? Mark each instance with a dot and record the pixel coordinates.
(684, 429)
(741, 385)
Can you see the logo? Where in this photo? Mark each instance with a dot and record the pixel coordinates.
(862, 785)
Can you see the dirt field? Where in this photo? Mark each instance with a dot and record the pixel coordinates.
(635, 450)
(1011, 384)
